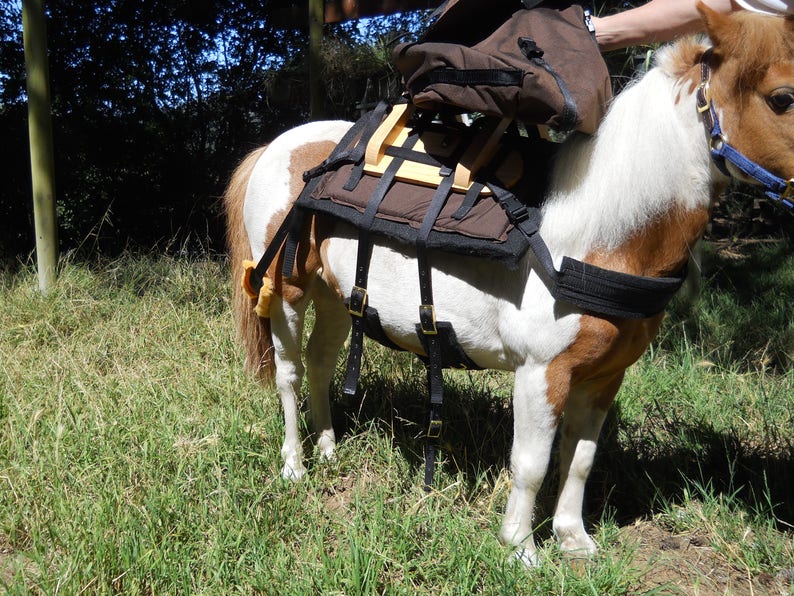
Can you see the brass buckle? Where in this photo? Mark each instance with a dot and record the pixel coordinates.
(359, 295)
(788, 192)
(428, 311)
(434, 429)
(704, 97)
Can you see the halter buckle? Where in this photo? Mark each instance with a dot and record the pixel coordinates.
(704, 97)
(788, 192)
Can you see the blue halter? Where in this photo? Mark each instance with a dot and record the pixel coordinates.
(776, 188)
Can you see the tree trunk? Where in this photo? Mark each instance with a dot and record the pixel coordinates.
(42, 164)
(316, 91)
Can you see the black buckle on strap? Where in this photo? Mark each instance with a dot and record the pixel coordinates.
(358, 301)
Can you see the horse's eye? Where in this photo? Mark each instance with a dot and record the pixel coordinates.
(781, 100)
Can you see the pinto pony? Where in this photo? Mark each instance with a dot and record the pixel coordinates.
(634, 198)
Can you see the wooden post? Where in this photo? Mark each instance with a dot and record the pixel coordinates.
(316, 90)
(42, 162)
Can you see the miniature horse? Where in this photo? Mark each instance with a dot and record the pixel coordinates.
(634, 198)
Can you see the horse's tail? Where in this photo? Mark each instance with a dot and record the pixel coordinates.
(253, 332)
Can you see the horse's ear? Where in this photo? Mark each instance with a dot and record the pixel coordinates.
(721, 28)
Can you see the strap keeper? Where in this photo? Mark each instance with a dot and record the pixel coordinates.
(358, 301)
(427, 319)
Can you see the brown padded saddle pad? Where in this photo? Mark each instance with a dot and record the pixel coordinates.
(407, 204)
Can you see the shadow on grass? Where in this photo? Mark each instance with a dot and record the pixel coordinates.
(637, 470)
(744, 319)
(632, 478)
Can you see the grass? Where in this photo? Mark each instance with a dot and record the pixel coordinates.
(135, 457)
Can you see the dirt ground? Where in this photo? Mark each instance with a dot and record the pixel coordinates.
(686, 564)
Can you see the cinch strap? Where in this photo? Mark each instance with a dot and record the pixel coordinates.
(430, 329)
(358, 294)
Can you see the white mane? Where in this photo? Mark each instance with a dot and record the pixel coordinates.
(649, 152)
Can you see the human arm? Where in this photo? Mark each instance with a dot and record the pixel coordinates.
(654, 22)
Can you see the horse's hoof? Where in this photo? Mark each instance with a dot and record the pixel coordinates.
(578, 546)
(293, 472)
(528, 558)
(327, 447)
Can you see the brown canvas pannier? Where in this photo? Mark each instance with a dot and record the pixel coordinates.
(538, 65)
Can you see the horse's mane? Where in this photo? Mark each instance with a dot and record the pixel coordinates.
(647, 157)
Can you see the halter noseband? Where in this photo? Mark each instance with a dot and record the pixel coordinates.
(776, 188)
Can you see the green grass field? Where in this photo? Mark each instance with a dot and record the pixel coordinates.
(135, 456)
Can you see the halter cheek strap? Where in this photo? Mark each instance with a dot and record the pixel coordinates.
(776, 188)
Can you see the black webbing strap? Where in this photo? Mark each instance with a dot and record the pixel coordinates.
(469, 200)
(471, 77)
(427, 322)
(345, 152)
(487, 173)
(291, 242)
(586, 286)
(356, 154)
(291, 226)
(358, 294)
(413, 155)
(612, 293)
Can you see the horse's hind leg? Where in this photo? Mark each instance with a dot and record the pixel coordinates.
(581, 425)
(534, 423)
(331, 326)
(286, 323)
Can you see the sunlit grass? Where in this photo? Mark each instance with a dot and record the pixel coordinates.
(136, 457)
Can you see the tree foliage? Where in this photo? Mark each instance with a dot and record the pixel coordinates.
(155, 102)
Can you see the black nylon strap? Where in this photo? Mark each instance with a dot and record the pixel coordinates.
(343, 153)
(586, 286)
(411, 155)
(294, 218)
(470, 77)
(357, 153)
(612, 293)
(291, 242)
(358, 296)
(469, 200)
(427, 322)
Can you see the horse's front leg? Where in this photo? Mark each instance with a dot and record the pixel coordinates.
(331, 326)
(534, 425)
(581, 425)
(286, 323)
